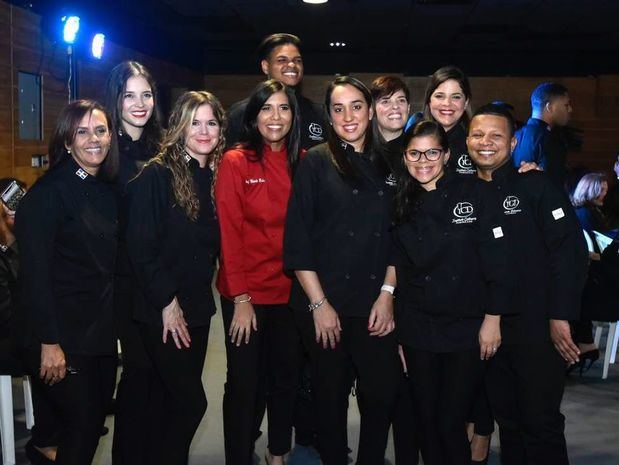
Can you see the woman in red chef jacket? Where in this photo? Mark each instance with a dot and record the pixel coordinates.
(252, 187)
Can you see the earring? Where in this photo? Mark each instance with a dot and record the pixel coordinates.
(69, 151)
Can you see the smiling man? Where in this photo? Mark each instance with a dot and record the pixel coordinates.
(280, 59)
(548, 261)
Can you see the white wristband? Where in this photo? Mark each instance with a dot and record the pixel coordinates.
(388, 288)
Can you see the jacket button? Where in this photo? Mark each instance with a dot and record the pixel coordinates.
(376, 234)
(355, 191)
(347, 276)
(372, 276)
(101, 236)
(195, 257)
(419, 238)
(454, 278)
(351, 233)
(380, 193)
(446, 233)
(428, 278)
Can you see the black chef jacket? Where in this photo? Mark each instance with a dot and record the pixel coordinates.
(67, 233)
(450, 259)
(132, 157)
(459, 160)
(171, 255)
(548, 252)
(312, 126)
(340, 230)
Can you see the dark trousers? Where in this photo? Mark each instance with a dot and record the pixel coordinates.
(267, 365)
(139, 397)
(375, 362)
(525, 386)
(405, 433)
(179, 372)
(481, 415)
(71, 413)
(444, 387)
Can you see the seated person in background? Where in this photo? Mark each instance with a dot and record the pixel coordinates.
(8, 284)
(588, 199)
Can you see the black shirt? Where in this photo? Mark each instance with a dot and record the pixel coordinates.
(9, 266)
(67, 233)
(548, 252)
(340, 230)
(459, 160)
(450, 259)
(171, 255)
(312, 126)
(546, 147)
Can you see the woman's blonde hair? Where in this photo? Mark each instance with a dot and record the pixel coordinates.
(588, 189)
(172, 153)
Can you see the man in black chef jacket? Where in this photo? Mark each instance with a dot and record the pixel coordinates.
(280, 59)
(526, 378)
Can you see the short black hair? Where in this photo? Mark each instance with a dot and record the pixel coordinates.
(275, 40)
(495, 109)
(545, 93)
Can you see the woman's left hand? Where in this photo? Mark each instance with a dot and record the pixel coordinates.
(174, 322)
(490, 336)
(381, 321)
(529, 166)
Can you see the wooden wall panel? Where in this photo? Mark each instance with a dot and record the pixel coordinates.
(24, 47)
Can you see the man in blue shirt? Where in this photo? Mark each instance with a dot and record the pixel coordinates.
(540, 140)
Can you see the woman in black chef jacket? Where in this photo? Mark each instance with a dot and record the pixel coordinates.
(337, 243)
(447, 99)
(131, 98)
(451, 290)
(66, 229)
(173, 240)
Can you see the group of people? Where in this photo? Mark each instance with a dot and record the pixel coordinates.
(421, 264)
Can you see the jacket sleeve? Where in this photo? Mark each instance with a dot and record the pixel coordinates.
(566, 249)
(530, 148)
(38, 221)
(493, 250)
(147, 195)
(300, 217)
(230, 203)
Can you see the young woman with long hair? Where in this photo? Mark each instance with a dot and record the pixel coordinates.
(173, 242)
(253, 186)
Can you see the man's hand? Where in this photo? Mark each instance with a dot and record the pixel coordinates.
(562, 339)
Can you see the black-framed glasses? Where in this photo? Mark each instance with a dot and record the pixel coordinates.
(430, 154)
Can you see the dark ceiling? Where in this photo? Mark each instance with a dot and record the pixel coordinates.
(485, 37)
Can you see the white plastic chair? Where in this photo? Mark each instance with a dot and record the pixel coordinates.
(7, 432)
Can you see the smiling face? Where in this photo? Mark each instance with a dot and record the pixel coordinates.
(91, 142)
(350, 115)
(430, 166)
(275, 120)
(284, 64)
(391, 114)
(137, 106)
(490, 142)
(202, 135)
(448, 103)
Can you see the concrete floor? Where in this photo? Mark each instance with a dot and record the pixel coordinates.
(591, 406)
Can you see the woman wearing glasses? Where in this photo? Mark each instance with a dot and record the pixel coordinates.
(451, 291)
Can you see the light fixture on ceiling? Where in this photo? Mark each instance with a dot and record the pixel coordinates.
(337, 44)
(315, 2)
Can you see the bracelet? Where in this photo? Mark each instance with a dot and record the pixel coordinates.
(242, 301)
(316, 304)
(388, 288)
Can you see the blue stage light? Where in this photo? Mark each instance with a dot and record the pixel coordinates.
(98, 41)
(71, 26)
